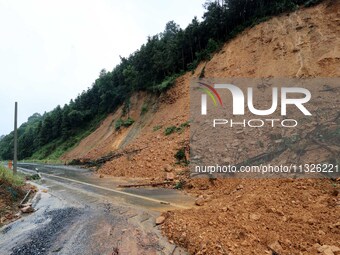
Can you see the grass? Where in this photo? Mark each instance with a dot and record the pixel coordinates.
(7, 175)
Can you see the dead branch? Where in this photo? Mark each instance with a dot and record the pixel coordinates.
(26, 196)
(143, 185)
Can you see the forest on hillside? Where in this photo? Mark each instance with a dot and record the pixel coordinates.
(153, 68)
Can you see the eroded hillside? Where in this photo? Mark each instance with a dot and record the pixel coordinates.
(301, 44)
(235, 216)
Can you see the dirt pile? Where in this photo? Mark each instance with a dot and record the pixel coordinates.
(258, 217)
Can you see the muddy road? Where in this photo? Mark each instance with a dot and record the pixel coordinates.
(79, 213)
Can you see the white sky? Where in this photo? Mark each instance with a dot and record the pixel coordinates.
(52, 50)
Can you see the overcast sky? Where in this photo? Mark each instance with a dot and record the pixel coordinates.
(52, 50)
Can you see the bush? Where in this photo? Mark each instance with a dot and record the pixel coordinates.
(118, 124)
(144, 109)
(128, 122)
(180, 184)
(180, 156)
(183, 126)
(170, 130)
(125, 123)
(33, 177)
(165, 85)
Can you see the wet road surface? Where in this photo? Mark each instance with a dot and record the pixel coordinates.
(79, 213)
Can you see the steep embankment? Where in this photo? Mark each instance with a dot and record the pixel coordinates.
(301, 44)
(244, 216)
(146, 146)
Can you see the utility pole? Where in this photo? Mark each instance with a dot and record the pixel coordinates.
(15, 158)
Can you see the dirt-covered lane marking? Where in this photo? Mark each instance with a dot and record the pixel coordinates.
(112, 190)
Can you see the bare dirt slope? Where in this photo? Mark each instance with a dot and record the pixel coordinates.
(248, 216)
(146, 135)
(106, 138)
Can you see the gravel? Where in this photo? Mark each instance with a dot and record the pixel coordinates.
(42, 239)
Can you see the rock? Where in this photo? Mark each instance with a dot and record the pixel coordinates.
(199, 201)
(295, 50)
(280, 213)
(27, 209)
(335, 193)
(25, 205)
(226, 161)
(239, 187)
(208, 198)
(275, 246)
(160, 220)
(170, 176)
(254, 216)
(225, 209)
(335, 249)
(320, 232)
(329, 250)
(168, 168)
(101, 176)
(317, 245)
(336, 225)
(179, 171)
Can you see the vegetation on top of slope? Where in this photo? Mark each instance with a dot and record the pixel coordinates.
(154, 67)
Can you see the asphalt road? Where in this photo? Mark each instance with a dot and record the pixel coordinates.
(79, 213)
